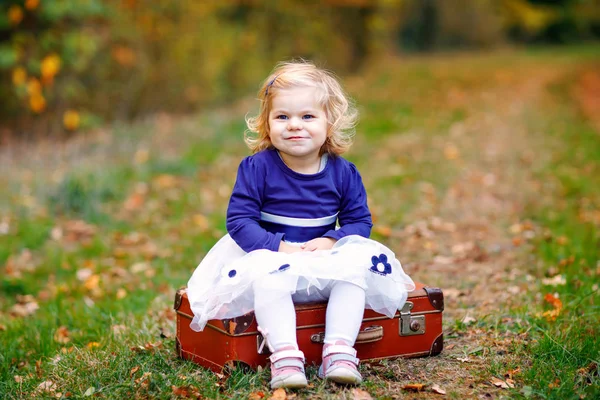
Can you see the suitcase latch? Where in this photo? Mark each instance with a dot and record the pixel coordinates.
(410, 324)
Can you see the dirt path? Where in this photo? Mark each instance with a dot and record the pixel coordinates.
(470, 239)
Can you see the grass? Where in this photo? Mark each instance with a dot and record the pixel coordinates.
(152, 198)
(566, 356)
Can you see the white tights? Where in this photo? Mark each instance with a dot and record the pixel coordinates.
(345, 310)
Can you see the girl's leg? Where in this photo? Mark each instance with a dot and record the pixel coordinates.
(345, 311)
(344, 315)
(277, 321)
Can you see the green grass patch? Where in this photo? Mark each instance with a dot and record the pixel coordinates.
(566, 355)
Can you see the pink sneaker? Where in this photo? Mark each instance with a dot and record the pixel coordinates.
(340, 364)
(287, 369)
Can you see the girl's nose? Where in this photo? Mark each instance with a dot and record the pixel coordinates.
(294, 123)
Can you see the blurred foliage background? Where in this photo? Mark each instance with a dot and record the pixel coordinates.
(69, 65)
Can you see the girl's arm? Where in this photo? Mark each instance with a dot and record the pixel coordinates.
(243, 212)
(354, 217)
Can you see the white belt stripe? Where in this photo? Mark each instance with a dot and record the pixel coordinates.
(303, 222)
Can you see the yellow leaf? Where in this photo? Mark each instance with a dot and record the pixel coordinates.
(15, 14)
(19, 76)
(50, 66)
(121, 293)
(92, 282)
(201, 221)
(124, 55)
(32, 4)
(165, 181)
(414, 387)
(33, 86)
(451, 152)
(141, 156)
(279, 394)
(71, 120)
(37, 103)
(383, 230)
(92, 345)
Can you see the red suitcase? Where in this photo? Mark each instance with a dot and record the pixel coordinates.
(415, 331)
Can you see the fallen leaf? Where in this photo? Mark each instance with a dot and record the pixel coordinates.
(512, 372)
(232, 326)
(2, 328)
(140, 267)
(90, 391)
(121, 293)
(143, 380)
(26, 306)
(47, 386)
(62, 335)
(465, 359)
(443, 260)
(134, 202)
(437, 389)
(165, 333)
(134, 370)
(279, 394)
(83, 274)
(4, 226)
(502, 384)
(91, 283)
(141, 156)
(451, 152)
(359, 394)
(151, 346)
(383, 230)
(165, 181)
(18, 378)
(553, 299)
(555, 384)
(256, 395)
(185, 391)
(202, 222)
(38, 368)
(92, 345)
(414, 387)
(78, 231)
(468, 320)
(562, 240)
(555, 281)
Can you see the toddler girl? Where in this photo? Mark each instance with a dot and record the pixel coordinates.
(283, 245)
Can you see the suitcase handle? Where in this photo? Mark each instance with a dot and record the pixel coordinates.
(368, 335)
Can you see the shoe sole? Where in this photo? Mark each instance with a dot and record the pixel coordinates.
(291, 382)
(342, 375)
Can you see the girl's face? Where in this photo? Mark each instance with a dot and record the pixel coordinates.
(297, 125)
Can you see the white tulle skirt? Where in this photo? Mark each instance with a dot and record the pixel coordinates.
(223, 285)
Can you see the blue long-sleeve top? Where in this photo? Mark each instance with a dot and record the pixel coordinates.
(271, 202)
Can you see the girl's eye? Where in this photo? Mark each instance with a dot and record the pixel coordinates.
(308, 116)
(281, 117)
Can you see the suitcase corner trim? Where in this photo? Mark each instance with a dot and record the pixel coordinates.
(179, 297)
(436, 297)
(437, 346)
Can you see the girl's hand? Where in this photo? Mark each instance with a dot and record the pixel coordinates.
(287, 248)
(322, 243)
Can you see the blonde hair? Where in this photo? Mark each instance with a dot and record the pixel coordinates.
(341, 113)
